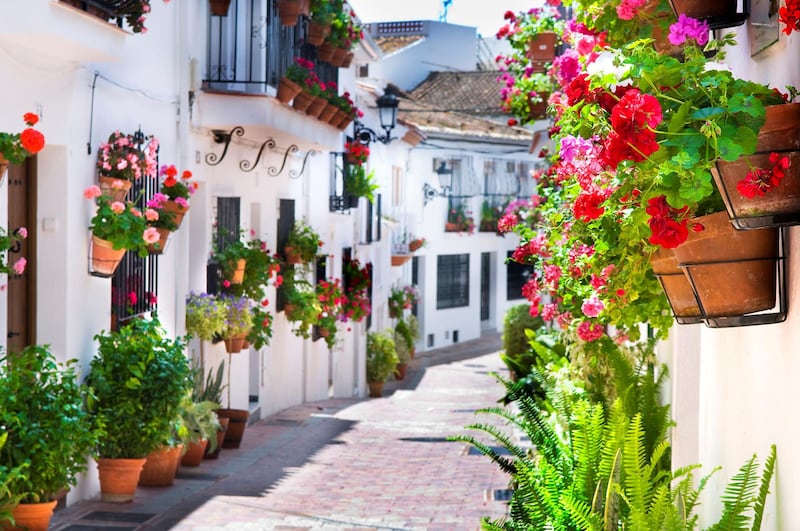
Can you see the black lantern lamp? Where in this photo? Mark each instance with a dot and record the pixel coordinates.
(445, 175)
(387, 109)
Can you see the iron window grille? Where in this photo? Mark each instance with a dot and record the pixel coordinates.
(228, 219)
(452, 281)
(517, 275)
(250, 49)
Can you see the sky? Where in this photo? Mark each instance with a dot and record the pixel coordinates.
(486, 15)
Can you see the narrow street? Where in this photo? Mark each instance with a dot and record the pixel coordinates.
(340, 464)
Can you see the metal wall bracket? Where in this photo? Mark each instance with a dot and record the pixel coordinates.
(221, 137)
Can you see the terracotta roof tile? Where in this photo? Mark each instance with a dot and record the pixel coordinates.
(394, 43)
(467, 92)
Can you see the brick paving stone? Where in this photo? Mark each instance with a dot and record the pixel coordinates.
(342, 464)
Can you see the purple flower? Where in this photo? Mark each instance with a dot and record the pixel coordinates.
(688, 28)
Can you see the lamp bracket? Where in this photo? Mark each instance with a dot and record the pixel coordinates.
(222, 137)
(429, 193)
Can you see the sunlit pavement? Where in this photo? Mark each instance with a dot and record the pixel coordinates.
(340, 464)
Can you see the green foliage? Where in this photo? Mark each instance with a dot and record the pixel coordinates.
(45, 427)
(302, 306)
(381, 356)
(403, 341)
(304, 240)
(120, 223)
(516, 321)
(205, 316)
(210, 389)
(360, 183)
(137, 382)
(199, 421)
(413, 327)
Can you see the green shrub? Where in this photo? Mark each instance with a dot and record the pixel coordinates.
(138, 381)
(381, 356)
(516, 321)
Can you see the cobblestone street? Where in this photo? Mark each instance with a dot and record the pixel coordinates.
(340, 464)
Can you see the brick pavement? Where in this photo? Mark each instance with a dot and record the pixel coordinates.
(339, 464)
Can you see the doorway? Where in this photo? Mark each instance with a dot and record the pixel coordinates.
(21, 314)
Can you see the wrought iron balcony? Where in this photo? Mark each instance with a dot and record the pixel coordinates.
(107, 9)
(249, 49)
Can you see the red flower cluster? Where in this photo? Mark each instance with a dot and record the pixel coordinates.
(357, 153)
(789, 15)
(634, 120)
(760, 181)
(668, 225)
(587, 204)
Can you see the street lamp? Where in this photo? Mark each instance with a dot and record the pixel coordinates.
(445, 176)
(387, 109)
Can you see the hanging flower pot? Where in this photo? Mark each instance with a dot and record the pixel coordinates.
(219, 8)
(238, 274)
(337, 58)
(717, 13)
(676, 286)
(163, 238)
(542, 47)
(325, 52)
(747, 184)
(317, 33)
(347, 60)
(316, 106)
(302, 101)
(175, 211)
(733, 272)
(289, 11)
(287, 90)
(538, 109)
(234, 345)
(114, 189)
(327, 113)
(103, 258)
(400, 259)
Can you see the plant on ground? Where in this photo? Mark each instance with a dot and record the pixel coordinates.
(137, 382)
(381, 356)
(45, 426)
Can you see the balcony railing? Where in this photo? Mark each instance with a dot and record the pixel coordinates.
(249, 49)
(106, 9)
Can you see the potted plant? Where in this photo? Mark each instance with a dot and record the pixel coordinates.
(416, 244)
(201, 425)
(413, 327)
(381, 361)
(233, 260)
(536, 31)
(319, 27)
(459, 219)
(404, 342)
(292, 83)
(359, 183)
(302, 244)
(116, 227)
(263, 270)
(8, 499)
(357, 284)
(330, 296)
(356, 152)
(16, 147)
(47, 430)
(208, 389)
(167, 208)
(122, 160)
(137, 382)
(402, 299)
(205, 316)
(238, 322)
(302, 307)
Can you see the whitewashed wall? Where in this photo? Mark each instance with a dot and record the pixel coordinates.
(734, 390)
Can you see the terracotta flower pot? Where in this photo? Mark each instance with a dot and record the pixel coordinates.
(375, 389)
(234, 345)
(163, 238)
(104, 259)
(237, 424)
(223, 423)
(289, 11)
(337, 58)
(114, 189)
(733, 271)
(538, 109)
(160, 466)
(704, 9)
(194, 453)
(347, 60)
(316, 106)
(327, 113)
(780, 205)
(400, 259)
(542, 47)
(400, 371)
(118, 478)
(31, 516)
(175, 212)
(287, 90)
(676, 286)
(292, 256)
(238, 274)
(317, 33)
(325, 52)
(219, 8)
(302, 100)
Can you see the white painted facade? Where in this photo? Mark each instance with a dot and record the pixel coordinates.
(734, 390)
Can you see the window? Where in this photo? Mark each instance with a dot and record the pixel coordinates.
(516, 276)
(452, 281)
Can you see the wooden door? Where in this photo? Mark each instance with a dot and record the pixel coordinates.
(21, 320)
